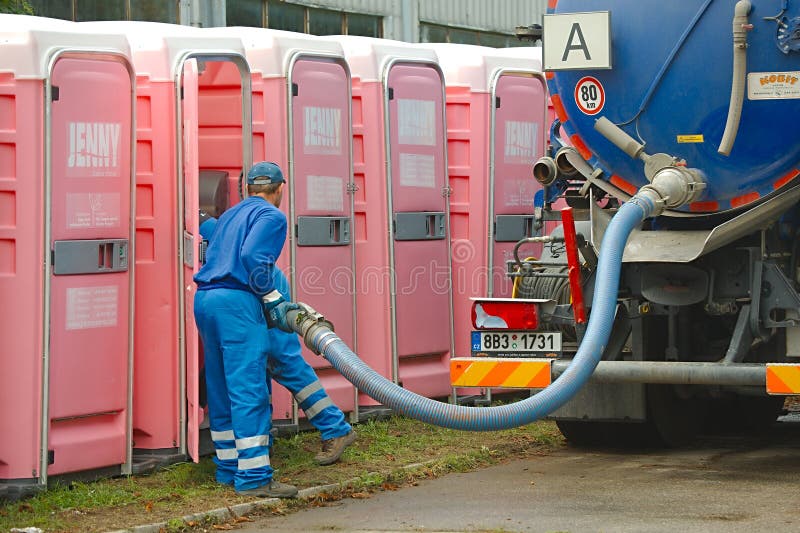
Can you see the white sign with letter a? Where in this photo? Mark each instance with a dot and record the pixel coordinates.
(577, 41)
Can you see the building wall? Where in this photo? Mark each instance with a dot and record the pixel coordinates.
(401, 18)
(500, 16)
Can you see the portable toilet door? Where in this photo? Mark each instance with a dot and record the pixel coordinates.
(87, 288)
(419, 228)
(214, 125)
(519, 130)
(189, 128)
(301, 95)
(321, 204)
(90, 233)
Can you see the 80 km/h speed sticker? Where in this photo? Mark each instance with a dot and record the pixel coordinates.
(589, 95)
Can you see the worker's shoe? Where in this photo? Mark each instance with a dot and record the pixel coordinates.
(333, 448)
(274, 489)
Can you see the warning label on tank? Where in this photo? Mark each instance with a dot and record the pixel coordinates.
(92, 307)
(773, 85)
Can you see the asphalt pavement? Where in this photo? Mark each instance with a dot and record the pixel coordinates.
(722, 484)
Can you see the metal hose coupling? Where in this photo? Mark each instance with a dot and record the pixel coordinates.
(673, 187)
(563, 161)
(310, 325)
(545, 171)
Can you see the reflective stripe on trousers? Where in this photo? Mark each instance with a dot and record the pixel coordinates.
(235, 342)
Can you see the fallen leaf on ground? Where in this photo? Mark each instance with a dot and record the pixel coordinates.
(361, 495)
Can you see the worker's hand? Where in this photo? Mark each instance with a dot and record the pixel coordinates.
(275, 309)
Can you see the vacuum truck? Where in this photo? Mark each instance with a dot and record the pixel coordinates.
(689, 111)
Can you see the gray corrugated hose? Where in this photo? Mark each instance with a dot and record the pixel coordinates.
(741, 26)
(320, 338)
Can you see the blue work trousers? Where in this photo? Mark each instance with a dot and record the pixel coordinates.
(235, 344)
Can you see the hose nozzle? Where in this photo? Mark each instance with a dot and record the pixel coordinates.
(563, 163)
(545, 171)
(308, 323)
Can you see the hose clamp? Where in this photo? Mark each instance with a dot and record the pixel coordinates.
(326, 340)
(649, 201)
(316, 342)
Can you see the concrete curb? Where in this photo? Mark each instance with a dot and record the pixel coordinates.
(234, 511)
(237, 510)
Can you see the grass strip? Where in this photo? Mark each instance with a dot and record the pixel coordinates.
(379, 460)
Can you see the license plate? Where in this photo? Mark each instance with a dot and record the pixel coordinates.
(517, 342)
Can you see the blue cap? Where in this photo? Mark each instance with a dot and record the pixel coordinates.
(265, 173)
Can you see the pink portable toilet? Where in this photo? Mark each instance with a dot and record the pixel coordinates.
(496, 130)
(301, 120)
(66, 239)
(401, 214)
(193, 142)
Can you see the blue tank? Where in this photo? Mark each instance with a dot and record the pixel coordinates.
(679, 106)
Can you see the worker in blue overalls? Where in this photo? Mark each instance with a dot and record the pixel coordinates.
(238, 289)
(286, 365)
(235, 294)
